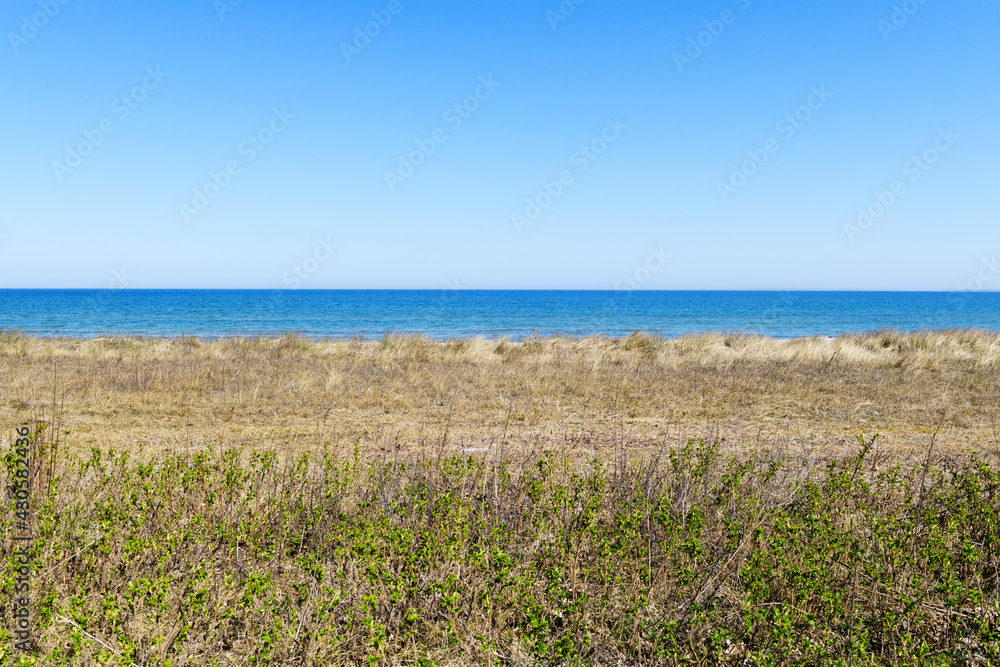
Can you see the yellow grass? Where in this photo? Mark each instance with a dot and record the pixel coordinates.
(418, 396)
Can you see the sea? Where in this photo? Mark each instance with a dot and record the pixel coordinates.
(444, 314)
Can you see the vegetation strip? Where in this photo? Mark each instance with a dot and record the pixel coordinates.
(688, 556)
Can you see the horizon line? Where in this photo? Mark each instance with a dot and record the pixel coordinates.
(484, 289)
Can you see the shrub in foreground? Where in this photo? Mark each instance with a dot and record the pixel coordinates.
(233, 557)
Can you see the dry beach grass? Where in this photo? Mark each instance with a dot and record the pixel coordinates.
(417, 396)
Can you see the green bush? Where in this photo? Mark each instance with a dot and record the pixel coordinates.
(234, 557)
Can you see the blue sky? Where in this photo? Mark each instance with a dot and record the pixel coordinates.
(673, 128)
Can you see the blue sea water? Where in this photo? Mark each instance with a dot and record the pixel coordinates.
(458, 313)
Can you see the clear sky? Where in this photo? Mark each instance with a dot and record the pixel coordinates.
(708, 145)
